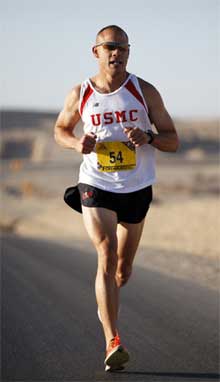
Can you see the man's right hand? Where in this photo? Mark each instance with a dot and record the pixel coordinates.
(86, 143)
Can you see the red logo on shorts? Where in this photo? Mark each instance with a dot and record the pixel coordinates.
(87, 195)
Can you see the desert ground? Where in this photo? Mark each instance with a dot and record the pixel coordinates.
(181, 235)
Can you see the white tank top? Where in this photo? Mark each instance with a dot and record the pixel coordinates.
(106, 114)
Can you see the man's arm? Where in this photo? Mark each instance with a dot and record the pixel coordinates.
(167, 138)
(66, 122)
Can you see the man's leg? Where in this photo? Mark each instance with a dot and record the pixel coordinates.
(129, 236)
(101, 225)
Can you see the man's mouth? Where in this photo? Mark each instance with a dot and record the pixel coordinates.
(115, 62)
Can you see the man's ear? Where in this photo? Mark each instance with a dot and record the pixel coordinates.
(95, 51)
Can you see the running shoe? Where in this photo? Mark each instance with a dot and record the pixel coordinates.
(112, 369)
(116, 355)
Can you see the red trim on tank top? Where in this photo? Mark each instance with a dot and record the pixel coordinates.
(88, 92)
(132, 89)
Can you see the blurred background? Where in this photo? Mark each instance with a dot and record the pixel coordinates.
(46, 48)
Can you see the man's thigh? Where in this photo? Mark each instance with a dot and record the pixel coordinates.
(101, 225)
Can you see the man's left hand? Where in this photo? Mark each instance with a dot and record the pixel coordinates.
(137, 136)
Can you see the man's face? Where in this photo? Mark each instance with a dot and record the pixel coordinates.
(112, 58)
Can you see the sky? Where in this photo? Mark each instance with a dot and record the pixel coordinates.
(175, 45)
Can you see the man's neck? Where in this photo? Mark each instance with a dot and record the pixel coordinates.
(105, 83)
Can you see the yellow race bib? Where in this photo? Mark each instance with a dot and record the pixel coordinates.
(115, 156)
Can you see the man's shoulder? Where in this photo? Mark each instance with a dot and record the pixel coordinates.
(72, 98)
(150, 93)
(146, 86)
(74, 93)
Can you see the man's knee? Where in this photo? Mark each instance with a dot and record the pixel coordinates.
(122, 277)
(107, 257)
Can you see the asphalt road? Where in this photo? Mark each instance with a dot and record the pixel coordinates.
(50, 330)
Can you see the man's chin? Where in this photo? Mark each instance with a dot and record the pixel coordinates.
(116, 69)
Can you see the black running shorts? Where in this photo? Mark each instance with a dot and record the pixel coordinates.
(130, 207)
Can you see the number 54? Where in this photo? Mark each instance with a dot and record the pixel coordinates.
(115, 157)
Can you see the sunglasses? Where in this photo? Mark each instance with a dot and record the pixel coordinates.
(123, 47)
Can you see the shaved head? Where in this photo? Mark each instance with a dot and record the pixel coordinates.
(113, 28)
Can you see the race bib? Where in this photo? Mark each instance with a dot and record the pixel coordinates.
(115, 156)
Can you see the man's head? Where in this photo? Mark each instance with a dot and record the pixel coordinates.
(114, 28)
(112, 48)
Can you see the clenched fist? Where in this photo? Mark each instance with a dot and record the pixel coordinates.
(86, 143)
(137, 136)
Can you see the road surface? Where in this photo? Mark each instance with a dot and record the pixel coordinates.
(51, 331)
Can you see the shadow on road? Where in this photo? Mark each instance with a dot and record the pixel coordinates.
(51, 330)
(196, 376)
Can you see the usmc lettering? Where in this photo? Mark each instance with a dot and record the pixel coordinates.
(110, 117)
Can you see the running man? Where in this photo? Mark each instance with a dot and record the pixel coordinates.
(116, 176)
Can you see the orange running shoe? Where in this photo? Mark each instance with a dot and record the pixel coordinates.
(116, 355)
(112, 369)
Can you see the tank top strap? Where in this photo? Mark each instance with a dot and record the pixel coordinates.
(134, 87)
(85, 92)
